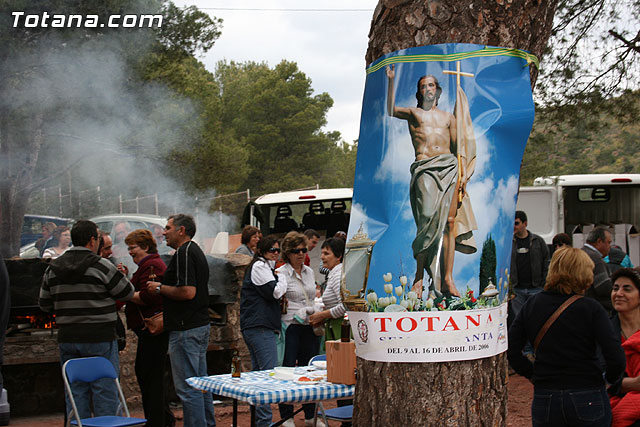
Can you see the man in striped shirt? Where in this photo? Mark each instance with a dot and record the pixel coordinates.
(81, 289)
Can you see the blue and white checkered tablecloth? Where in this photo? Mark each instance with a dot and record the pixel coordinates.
(258, 388)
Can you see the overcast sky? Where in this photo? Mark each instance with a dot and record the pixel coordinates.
(327, 39)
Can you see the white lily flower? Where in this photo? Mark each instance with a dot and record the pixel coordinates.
(372, 297)
(403, 280)
(392, 299)
(404, 303)
(429, 304)
(398, 290)
(388, 288)
(413, 296)
(383, 302)
(387, 277)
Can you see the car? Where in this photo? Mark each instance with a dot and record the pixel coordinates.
(131, 222)
(32, 226)
(119, 225)
(108, 223)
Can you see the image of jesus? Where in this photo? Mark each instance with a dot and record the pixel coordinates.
(438, 181)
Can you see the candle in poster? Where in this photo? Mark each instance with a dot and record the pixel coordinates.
(442, 135)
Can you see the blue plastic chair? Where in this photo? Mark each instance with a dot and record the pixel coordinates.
(341, 413)
(88, 370)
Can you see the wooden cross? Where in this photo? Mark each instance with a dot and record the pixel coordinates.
(458, 73)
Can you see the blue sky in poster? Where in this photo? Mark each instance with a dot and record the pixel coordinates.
(501, 108)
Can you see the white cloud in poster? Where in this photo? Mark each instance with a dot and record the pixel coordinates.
(359, 218)
(399, 153)
(491, 201)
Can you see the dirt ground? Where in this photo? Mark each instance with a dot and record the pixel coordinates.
(519, 411)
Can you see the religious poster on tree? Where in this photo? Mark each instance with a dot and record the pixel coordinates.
(442, 135)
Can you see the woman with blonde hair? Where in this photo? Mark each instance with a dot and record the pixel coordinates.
(569, 388)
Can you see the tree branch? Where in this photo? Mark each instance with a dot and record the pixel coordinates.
(631, 44)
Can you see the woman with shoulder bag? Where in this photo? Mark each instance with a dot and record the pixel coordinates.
(260, 300)
(566, 330)
(152, 349)
(301, 343)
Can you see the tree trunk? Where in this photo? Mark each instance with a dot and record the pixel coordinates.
(466, 393)
(519, 24)
(16, 177)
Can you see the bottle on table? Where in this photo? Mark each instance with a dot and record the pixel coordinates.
(236, 368)
(345, 330)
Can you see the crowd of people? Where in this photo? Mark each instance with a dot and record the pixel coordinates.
(574, 317)
(279, 296)
(84, 289)
(574, 328)
(85, 286)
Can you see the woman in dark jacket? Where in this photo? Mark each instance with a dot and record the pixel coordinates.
(152, 349)
(260, 312)
(569, 388)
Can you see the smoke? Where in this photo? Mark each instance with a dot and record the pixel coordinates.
(100, 118)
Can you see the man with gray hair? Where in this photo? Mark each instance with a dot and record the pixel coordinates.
(597, 247)
(185, 293)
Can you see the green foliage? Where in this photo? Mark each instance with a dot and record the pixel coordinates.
(276, 116)
(606, 142)
(187, 30)
(488, 264)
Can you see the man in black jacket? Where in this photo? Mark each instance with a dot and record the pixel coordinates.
(529, 263)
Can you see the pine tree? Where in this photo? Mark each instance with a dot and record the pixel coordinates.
(488, 264)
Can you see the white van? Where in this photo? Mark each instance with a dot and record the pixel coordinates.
(326, 211)
(574, 204)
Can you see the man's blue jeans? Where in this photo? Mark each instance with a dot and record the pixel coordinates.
(264, 355)
(188, 353)
(570, 407)
(104, 391)
(522, 295)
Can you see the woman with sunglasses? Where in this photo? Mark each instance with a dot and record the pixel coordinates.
(260, 312)
(301, 343)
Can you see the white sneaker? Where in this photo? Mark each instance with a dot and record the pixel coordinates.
(319, 423)
(289, 423)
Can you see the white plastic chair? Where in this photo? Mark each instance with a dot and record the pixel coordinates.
(88, 370)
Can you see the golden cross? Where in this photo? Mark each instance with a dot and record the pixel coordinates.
(458, 73)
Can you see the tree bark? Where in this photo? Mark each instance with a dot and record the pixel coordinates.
(467, 393)
(519, 24)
